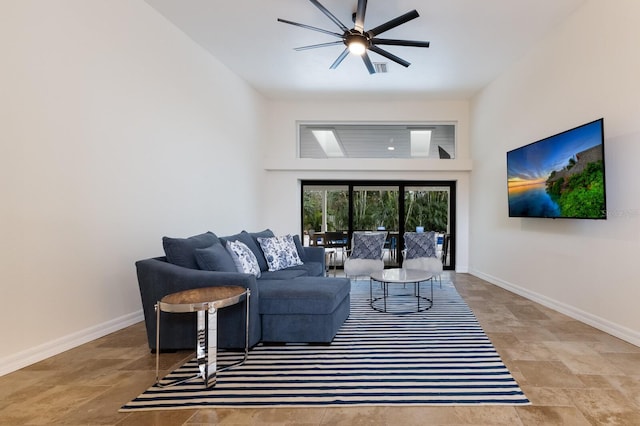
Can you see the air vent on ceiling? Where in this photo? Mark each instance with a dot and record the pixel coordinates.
(380, 67)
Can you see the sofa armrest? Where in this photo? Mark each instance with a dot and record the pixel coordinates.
(158, 278)
(315, 254)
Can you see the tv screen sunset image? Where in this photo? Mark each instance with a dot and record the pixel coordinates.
(561, 176)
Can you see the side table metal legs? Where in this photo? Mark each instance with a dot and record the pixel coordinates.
(246, 339)
(329, 259)
(207, 345)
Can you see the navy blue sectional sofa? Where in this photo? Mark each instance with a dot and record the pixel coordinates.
(291, 305)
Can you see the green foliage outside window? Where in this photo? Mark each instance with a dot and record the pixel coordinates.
(375, 208)
(312, 210)
(429, 209)
(337, 210)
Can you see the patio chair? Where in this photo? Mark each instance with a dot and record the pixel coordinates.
(336, 240)
(366, 254)
(420, 253)
(315, 238)
(392, 246)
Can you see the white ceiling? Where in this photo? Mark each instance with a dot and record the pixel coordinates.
(472, 42)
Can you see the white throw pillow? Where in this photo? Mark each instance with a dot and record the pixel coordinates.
(243, 257)
(280, 252)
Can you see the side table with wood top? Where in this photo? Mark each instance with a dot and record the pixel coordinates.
(205, 302)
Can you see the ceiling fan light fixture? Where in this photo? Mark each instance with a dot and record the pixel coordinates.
(356, 47)
(356, 43)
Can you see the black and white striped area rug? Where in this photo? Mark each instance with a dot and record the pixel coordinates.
(437, 357)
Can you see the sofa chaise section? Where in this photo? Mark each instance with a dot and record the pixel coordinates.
(311, 311)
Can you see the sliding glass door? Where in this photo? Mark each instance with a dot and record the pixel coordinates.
(396, 207)
(375, 208)
(427, 208)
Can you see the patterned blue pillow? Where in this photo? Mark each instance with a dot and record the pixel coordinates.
(280, 252)
(420, 244)
(243, 257)
(247, 239)
(368, 245)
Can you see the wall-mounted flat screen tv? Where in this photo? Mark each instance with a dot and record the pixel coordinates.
(561, 176)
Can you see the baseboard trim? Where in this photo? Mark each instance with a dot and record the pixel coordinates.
(38, 353)
(617, 330)
(462, 269)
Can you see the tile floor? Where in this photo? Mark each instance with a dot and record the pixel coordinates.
(572, 373)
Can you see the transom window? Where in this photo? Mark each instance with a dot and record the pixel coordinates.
(415, 140)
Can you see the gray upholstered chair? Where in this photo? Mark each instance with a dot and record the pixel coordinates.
(366, 254)
(420, 253)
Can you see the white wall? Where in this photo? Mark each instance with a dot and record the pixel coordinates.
(284, 171)
(115, 129)
(586, 69)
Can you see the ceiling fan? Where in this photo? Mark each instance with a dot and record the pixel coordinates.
(357, 40)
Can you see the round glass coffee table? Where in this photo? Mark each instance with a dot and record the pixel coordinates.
(400, 276)
(205, 301)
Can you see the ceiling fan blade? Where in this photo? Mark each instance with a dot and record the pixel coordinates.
(368, 63)
(329, 15)
(360, 12)
(392, 42)
(343, 55)
(390, 56)
(314, 46)
(309, 27)
(393, 23)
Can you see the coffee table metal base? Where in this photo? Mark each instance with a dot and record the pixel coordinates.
(400, 276)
